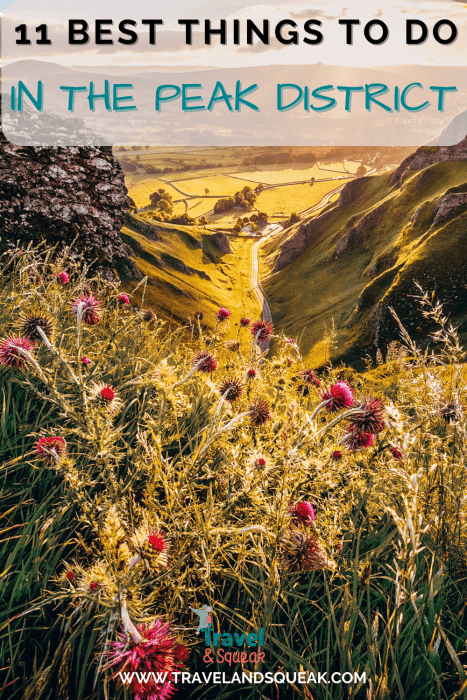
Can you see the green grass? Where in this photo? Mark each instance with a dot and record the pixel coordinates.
(177, 295)
(317, 290)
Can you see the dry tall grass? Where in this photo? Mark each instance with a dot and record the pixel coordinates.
(169, 486)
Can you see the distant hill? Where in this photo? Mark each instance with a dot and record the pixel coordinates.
(362, 255)
(453, 133)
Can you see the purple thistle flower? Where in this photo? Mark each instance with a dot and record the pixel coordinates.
(158, 651)
(339, 396)
(90, 310)
(205, 362)
(370, 418)
(63, 278)
(222, 314)
(259, 412)
(355, 441)
(231, 389)
(301, 551)
(51, 448)
(261, 330)
(15, 351)
(304, 512)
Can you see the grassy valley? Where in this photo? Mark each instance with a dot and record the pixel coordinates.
(184, 265)
(189, 268)
(362, 254)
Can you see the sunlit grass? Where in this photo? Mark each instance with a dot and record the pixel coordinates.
(219, 480)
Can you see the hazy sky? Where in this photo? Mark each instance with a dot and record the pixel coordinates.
(172, 51)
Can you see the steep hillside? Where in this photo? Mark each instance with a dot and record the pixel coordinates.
(363, 254)
(189, 268)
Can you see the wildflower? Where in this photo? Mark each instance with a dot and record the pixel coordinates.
(291, 341)
(244, 322)
(51, 448)
(149, 315)
(107, 394)
(29, 322)
(85, 361)
(356, 441)
(151, 547)
(260, 462)
(62, 278)
(371, 417)
(261, 330)
(289, 360)
(396, 453)
(451, 411)
(222, 314)
(70, 575)
(152, 651)
(339, 396)
(309, 376)
(97, 580)
(251, 373)
(301, 551)
(337, 454)
(231, 389)
(123, 299)
(106, 397)
(90, 309)
(304, 512)
(204, 362)
(157, 542)
(15, 351)
(259, 412)
(199, 315)
(233, 345)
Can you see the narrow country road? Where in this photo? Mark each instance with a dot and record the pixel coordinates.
(266, 314)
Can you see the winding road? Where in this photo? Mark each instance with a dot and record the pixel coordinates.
(266, 314)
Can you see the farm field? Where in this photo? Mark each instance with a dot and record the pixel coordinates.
(292, 198)
(217, 184)
(140, 187)
(277, 174)
(285, 199)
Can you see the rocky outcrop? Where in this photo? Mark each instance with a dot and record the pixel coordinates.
(355, 229)
(352, 191)
(179, 266)
(451, 204)
(221, 241)
(306, 234)
(67, 196)
(426, 156)
(357, 234)
(148, 230)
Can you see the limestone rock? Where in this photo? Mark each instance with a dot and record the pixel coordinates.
(64, 195)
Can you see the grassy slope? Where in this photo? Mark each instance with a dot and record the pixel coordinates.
(316, 289)
(177, 295)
